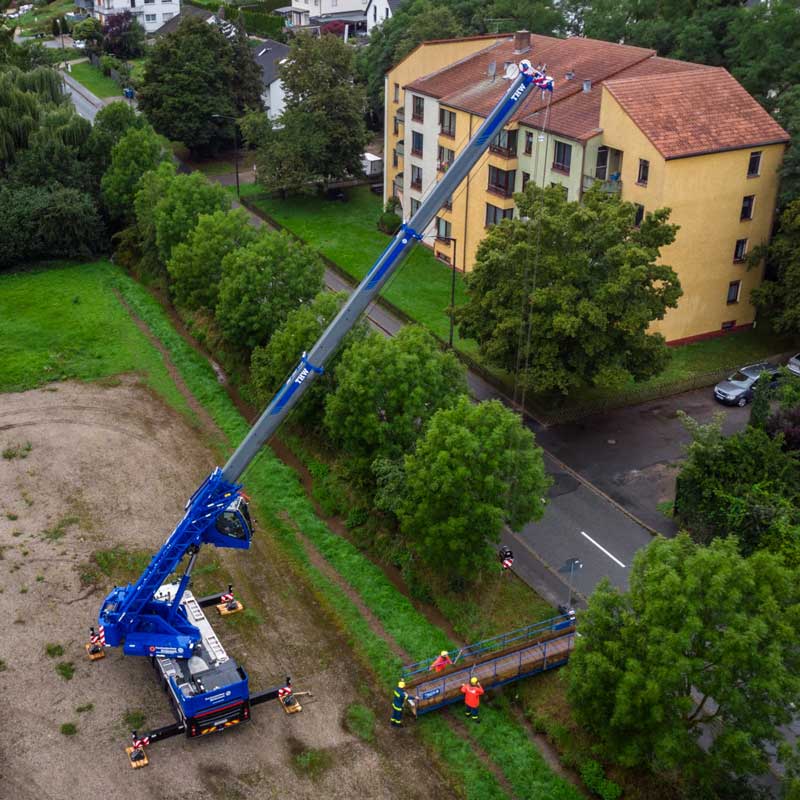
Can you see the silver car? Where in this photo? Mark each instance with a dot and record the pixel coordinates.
(794, 365)
(738, 388)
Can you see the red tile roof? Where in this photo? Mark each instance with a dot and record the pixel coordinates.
(691, 113)
(673, 120)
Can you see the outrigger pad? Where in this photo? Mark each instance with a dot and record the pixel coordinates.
(223, 609)
(94, 656)
(290, 705)
(141, 762)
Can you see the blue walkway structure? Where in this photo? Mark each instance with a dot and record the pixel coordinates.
(494, 662)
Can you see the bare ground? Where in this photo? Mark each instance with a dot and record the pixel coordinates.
(114, 466)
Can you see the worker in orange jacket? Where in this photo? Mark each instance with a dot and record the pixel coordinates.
(442, 661)
(472, 698)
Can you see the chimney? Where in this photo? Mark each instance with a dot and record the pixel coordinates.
(587, 86)
(522, 42)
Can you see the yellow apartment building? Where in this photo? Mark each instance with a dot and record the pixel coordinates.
(659, 132)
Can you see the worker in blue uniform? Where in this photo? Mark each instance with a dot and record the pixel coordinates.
(398, 700)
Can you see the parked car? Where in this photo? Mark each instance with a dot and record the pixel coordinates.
(738, 388)
(794, 365)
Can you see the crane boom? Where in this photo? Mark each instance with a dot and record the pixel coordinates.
(149, 621)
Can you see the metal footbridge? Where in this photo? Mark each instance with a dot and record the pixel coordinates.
(494, 662)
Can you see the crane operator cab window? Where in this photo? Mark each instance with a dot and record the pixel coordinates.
(234, 524)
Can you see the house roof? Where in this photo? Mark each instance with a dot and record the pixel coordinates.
(393, 5)
(268, 55)
(683, 107)
(186, 11)
(705, 110)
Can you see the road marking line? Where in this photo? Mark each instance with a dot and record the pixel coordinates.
(600, 547)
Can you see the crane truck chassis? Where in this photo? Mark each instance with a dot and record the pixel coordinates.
(152, 617)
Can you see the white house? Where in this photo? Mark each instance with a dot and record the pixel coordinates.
(269, 55)
(150, 14)
(378, 11)
(321, 8)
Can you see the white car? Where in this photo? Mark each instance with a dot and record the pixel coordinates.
(79, 44)
(794, 365)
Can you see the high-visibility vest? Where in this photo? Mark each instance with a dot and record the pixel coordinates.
(472, 695)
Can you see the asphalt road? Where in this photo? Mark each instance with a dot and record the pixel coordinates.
(86, 104)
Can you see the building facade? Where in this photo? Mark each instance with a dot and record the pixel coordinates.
(657, 132)
(150, 14)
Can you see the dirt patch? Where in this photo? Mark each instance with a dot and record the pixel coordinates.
(109, 465)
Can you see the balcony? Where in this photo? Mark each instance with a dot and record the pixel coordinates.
(86, 5)
(443, 166)
(503, 152)
(610, 186)
(399, 148)
(416, 185)
(397, 184)
(500, 191)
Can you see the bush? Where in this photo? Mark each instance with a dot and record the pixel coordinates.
(107, 63)
(261, 24)
(596, 781)
(389, 222)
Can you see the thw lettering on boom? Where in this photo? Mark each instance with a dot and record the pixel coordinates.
(516, 95)
(302, 376)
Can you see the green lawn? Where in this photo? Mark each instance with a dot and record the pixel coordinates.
(347, 233)
(41, 19)
(93, 79)
(66, 322)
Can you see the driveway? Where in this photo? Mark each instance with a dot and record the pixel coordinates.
(633, 454)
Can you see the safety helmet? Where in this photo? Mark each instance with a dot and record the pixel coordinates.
(473, 680)
(401, 684)
(444, 652)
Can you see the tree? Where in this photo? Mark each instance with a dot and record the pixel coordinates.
(90, 31)
(387, 390)
(703, 636)
(565, 298)
(123, 36)
(138, 151)
(261, 283)
(177, 211)
(744, 485)
(195, 267)
(153, 186)
(786, 422)
(270, 364)
(321, 95)
(779, 298)
(248, 82)
(475, 468)
(188, 78)
(110, 125)
(759, 411)
(39, 222)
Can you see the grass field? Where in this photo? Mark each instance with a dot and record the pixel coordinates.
(347, 233)
(93, 79)
(40, 20)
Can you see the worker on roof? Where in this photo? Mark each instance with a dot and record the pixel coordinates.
(398, 700)
(472, 698)
(442, 660)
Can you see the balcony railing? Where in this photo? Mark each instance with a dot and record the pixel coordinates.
(502, 191)
(505, 152)
(397, 183)
(443, 166)
(399, 148)
(612, 186)
(416, 185)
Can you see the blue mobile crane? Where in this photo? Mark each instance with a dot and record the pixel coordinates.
(164, 621)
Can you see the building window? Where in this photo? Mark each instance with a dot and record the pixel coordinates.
(394, 158)
(740, 251)
(148, 2)
(415, 204)
(563, 157)
(418, 108)
(495, 214)
(525, 179)
(644, 172)
(150, 17)
(133, 3)
(448, 204)
(396, 92)
(416, 177)
(528, 142)
(334, 3)
(505, 143)
(443, 228)
(601, 170)
(396, 129)
(754, 167)
(733, 292)
(637, 221)
(447, 122)
(165, 17)
(501, 181)
(416, 143)
(747, 207)
(729, 325)
(444, 158)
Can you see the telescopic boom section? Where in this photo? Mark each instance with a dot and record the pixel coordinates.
(311, 365)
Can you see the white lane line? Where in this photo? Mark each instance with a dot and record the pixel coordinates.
(600, 547)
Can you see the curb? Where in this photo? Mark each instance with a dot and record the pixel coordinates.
(81, 90)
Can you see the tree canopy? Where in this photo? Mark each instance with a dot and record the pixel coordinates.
(582, 280)
(703, 636)
(261, 283)
(475, 468)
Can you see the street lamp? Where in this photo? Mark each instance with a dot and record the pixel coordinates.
(570, 565)
(61, 32)
(235, 145)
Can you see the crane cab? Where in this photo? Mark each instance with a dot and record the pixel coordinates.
(233, 526)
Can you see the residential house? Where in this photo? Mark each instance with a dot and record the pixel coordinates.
(295, 17)
(378, 11)
(322, 8)
(172, 23)
(150, 14)
(269, 55)
(658, 132)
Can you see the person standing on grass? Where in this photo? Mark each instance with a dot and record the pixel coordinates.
(472, 698)
(398, 700)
